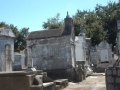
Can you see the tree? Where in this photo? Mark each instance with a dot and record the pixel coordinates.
(92, 25)
(19, 41)
(98, 24)
(16, 32)
(109, 15)
(79, 21)
(22, 38)
(53, 23)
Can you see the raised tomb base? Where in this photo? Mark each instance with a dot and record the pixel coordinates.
(72, 74)
(31, 80)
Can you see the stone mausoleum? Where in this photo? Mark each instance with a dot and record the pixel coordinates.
(6, 49)
(53, 50)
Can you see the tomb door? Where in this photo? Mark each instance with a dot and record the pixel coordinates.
(8, 58)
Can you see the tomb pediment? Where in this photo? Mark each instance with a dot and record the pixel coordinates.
(6, 32)
(104, 44)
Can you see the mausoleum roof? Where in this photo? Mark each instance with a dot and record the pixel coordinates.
(42, 34)
(6, 32)
(45, 34)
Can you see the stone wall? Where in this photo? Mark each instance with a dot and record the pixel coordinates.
(17, 66)
(51, 53)
(3, 42)
(20, 81)
(20, 60)
(112, 78)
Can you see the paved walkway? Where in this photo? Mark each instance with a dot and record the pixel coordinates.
(95, 82)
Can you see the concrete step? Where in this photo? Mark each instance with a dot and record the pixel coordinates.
(62, 82)
(36, 87)
(49, 86)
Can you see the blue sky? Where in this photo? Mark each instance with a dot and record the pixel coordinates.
(32, 13)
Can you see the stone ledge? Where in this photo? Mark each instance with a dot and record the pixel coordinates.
(19, 73)
(48, 84)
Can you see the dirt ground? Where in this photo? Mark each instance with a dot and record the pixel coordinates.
(94, 82)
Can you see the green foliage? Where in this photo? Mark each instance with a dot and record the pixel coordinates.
(98, 24)
(91, 25)
(109, 15)
(53, 23)
(20, 39)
